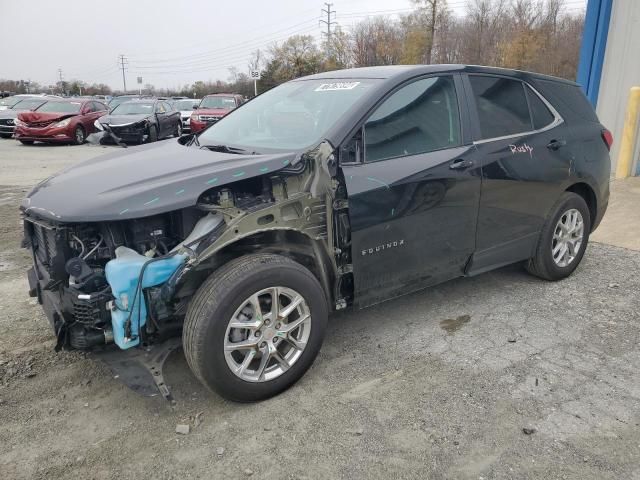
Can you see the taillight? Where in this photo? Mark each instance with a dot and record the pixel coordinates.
(608, 138)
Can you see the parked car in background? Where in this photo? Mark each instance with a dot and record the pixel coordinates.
(185, 107)
(8, 102)
(8, 117)
(212, 108)
(103, 98)
(139, 121)
(60, 121)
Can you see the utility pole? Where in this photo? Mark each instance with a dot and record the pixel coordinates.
(328, 22)
(61, 77)
(122, 64)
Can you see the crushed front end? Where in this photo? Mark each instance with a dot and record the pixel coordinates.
(82, 275)
(119, 270)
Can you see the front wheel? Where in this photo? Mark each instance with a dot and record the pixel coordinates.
(178, 130)
(563, 239)
(153, 134)
(79, 136)
(255, 327)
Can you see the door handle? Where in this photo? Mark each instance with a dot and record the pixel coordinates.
(460, 164)
(556, 144)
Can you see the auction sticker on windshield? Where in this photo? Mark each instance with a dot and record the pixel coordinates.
(337, 86)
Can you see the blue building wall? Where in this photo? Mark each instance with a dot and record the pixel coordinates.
(594, 45)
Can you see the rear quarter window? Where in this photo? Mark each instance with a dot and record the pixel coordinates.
(567, 99)
(540, 114)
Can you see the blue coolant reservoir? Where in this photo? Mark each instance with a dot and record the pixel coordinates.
(123, 273)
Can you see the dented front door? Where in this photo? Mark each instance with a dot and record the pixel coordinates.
(413, 215)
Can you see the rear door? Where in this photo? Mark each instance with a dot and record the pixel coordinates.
(524, 164)
(413, 191)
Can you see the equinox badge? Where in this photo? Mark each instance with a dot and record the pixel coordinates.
(384, 246)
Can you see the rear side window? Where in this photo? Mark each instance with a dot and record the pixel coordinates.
(540, 114)
(567, 99)
(502, 106)
(420, 117)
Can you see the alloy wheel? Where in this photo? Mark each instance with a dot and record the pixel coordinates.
(267, 334)
(567, 238)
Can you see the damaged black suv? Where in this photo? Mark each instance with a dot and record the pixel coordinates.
(340, 189)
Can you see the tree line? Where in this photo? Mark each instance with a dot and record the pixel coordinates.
(537, 35)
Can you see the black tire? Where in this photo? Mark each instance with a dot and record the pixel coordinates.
(542, 264)
(79, 135)
(6, 135)
(213, 306)
(153, 134)
(26, 142)
(178, 131)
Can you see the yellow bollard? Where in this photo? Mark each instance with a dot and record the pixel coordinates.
(627, 143)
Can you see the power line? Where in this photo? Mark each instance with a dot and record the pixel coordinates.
(194, 58)
(206, 64)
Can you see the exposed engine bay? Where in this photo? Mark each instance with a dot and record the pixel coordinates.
(129, 282)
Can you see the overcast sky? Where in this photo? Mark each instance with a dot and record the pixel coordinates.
(167, 42)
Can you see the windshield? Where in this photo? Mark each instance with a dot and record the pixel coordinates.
(185, 104)
(60, 107)
(29, 104)
(118, 100)
(227, 103)
(292, 116)
(133, 108)
(10, 101)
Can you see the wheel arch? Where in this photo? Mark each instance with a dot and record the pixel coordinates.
(298, 246)
(589, 196)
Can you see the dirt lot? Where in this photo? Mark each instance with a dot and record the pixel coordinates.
(438, 384)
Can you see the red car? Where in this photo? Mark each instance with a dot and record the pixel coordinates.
(60, 121)
(212, 108)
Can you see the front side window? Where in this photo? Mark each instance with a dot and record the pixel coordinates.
(420, 117)
(502, 106)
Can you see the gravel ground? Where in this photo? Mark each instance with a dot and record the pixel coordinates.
(499, 376)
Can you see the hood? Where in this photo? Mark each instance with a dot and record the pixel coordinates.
(142, 181)
(211, 111)
(37, 117)
(115, 120)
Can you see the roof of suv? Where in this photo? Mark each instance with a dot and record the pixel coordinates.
(389, 72)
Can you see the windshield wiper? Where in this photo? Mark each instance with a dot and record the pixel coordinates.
(228, 149)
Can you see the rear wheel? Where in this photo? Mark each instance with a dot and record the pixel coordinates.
(79, 135)
(563, 239)
(255, 327)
